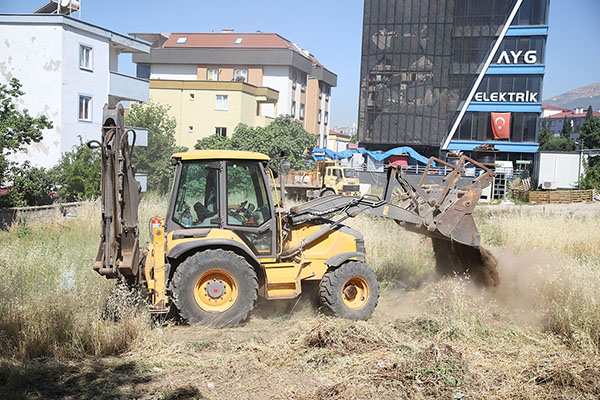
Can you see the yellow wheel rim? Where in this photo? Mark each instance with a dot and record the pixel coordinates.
(216, 291)
(355, 293)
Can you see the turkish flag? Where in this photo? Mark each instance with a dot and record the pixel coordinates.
(501, 125)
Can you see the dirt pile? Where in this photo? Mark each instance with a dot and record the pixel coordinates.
(453, 258)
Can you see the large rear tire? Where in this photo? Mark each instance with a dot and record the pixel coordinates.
(350, 291)
(216, 288)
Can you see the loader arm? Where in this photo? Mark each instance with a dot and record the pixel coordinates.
(442, 211)
(118, 254)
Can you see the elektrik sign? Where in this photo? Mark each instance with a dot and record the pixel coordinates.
(511, 97)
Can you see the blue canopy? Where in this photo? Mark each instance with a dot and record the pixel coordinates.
(377, 155)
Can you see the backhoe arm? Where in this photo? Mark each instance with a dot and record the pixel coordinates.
(118, 254)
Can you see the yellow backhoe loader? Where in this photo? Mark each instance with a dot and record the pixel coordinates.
(225, 239)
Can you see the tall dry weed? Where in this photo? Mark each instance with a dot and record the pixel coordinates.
(52, 304)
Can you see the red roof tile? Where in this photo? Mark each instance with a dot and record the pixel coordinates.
(570, 114)
(549, 107)
(215, 40)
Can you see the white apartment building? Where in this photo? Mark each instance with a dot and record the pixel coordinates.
(69, 70)
(259, 59)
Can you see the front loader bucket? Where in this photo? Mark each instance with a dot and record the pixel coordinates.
(446, 211)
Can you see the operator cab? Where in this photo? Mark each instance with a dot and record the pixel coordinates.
(224, 190)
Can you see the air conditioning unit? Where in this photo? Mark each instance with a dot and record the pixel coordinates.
(549, 185)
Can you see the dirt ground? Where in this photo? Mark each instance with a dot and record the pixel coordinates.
(405, 351)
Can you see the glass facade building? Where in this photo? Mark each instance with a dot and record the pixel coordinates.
(422, 58)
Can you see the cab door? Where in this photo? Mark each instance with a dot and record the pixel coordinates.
(248, 209)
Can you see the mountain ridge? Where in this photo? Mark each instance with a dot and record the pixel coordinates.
(583, 96)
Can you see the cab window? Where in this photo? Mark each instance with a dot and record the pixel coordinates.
(197, 199)
(337, 173)
(247, 201)
(349, 173)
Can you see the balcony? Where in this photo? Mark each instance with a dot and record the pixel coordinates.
(125, 87)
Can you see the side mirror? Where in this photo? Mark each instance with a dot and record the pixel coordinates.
(285, 166)
(273, 170)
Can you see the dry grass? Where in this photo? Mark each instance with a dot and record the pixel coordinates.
(535, 336)
(52, 303)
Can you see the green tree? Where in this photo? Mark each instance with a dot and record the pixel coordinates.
(567, 129)
(591, 180)
(549, 142)
(590, 133)
(154, 160)
(354, 138)
(78, 173)
(17, 128)
(30, 186)
(282, 135)
(589, 113)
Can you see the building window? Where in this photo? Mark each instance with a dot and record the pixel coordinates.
(326, 117)
(191, 129)
(240, 75)
(221, 102)
(319, 117)
(212, 74)
(192, 96)
(293, 113)
(301, 111)
(142, 71)
(221, 131)
(181, 40)
(85, 57)
(85, 108)
(294, 78)
(239, 40)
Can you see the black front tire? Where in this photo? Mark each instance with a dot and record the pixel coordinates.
(194, 268)
(326, 192)
(334, 283)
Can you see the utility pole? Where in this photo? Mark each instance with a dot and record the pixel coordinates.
(580, 162)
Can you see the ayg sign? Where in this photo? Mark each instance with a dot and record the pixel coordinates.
(514, 57)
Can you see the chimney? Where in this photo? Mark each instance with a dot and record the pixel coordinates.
(578, 110)
(226, 30)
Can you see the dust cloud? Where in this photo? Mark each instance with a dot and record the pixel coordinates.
(453, 258)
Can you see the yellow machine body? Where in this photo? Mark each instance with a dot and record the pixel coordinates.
(225, 238)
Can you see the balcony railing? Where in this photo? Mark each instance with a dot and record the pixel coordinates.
(125, 87)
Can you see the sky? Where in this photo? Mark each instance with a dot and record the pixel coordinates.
(332, 31)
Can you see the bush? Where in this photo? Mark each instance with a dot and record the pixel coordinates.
(591, 180)
(78, 174)
(28, 186)
(154, 160)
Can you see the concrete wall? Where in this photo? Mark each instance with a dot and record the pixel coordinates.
(8, 216)
(77, 81)
(33, 55)
(278, 78)
(45, 58)
(174, 71)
